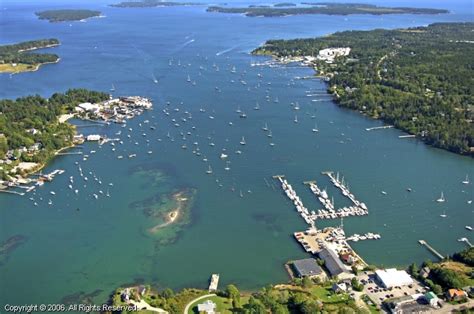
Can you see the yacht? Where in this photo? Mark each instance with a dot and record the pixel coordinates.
(466, 181)
(441, 199)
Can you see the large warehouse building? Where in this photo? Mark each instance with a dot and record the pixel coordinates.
(393, 278)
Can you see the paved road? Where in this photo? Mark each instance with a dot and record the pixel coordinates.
(186, 309)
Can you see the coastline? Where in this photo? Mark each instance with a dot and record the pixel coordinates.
(34, 69)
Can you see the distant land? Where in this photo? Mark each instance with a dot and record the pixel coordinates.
(66, 15)
(152, 3)
(282, 9)
(418, 79)
(15, 58)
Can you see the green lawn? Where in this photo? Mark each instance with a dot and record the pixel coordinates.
(326, 295)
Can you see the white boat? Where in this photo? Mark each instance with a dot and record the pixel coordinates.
(441, 199)
(265, 128)
(209, 170)
(269, 133)
(223, 156)
(469, 228)
(112, 89)
(296, 119)
(257, 106)
(466, 181)
(315, 129)
(383, 192)
(188, 79)
(242, 142)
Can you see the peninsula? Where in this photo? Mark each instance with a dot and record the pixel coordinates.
(15, 58)
(417, 79)
(33, 130)
(152, 3)
(326, 8)
(66, 15)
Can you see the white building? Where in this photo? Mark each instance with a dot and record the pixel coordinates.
(392, 277)
(207, 307)
(88, 107)
(329, 54)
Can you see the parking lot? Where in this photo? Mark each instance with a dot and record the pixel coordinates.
(378, 293)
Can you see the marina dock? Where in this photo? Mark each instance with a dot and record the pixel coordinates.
(308, 217)
(431, 249)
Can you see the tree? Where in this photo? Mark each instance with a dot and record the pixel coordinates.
(356, 285)
(167, 293)
(233, 294)
(309, 307)
(255, 307)
(307, 282)
(413, 270)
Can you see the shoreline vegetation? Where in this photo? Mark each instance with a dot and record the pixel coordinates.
(312, 294)
(66, 15)
(417, 79)
(152, 4)
(326, 8)
(17, 58)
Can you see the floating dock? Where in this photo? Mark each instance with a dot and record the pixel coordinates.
(431, 249)
(214, 282)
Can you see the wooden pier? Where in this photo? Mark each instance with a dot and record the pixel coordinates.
(431, 249)
(13, 192)
(70, 153)
(407, 136)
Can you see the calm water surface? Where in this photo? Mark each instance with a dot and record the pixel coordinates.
(247, 239)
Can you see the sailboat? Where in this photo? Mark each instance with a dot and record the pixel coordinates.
(242, 142)
(257, 106)
(227, 168)
(265, 128)
(296, 119)
(270, 133)
(243, 115)
(209, 170)
(443, 215)
(441, 199)
(466, 181)
(233, 70)
(188, 79)
(112, 89)
(315, 129)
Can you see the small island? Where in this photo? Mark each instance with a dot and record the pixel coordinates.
(66, 15)
(152, 3)
(416, 79)
(284, 9)
(16, 58)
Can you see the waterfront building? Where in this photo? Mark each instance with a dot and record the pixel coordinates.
(307, 268)
(207, 307)
(393, 278)
(332, 262)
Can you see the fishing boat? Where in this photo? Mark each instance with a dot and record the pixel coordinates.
(441, 199)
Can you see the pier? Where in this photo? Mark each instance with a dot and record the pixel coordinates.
(407, 136)
(69, 153)
(431, 249)
(465, 240)
(13, 192)
(379, 127)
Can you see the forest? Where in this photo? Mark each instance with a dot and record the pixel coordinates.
(66, 15)
(419, 79)
(34, 119)
(323, 8)
(17, 53)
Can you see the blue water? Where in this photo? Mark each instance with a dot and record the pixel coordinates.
(247, 240)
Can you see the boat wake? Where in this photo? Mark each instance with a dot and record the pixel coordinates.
(225, 51)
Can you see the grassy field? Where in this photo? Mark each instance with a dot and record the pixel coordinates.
(224, 305)
(326, 295)
(20, 67)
